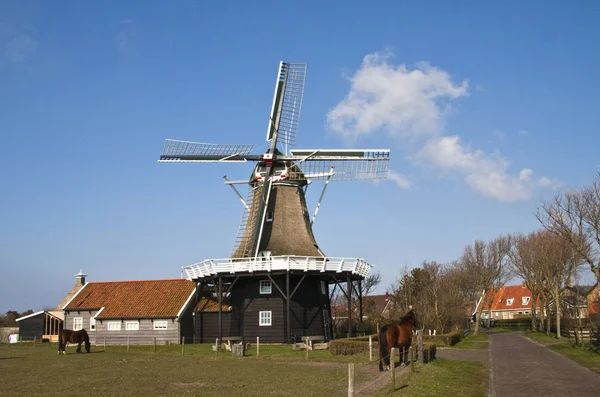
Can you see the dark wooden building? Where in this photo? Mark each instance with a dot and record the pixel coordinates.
(42, 325)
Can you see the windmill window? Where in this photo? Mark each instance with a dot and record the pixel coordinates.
(77, 323)
(266, 287)
(269, 216)
(264, 319)
(92, 323)
(526, 300)
(509, 301)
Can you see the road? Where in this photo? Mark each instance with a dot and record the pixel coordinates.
(520, 367)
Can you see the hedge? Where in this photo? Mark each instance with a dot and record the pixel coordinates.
(349, 346)
(429, 352)
(449, 339)
(522, 323)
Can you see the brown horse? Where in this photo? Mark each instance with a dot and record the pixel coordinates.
(396, 335)
(67, 336)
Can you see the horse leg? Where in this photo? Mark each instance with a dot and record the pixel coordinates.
(78, 347)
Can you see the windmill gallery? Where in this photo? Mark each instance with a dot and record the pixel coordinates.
(278, 282)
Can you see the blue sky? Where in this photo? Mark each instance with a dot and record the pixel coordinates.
(487, 109)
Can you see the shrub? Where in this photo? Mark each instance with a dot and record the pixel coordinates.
(349, 346)
(429, 352)
(519, 323)
(449, 339)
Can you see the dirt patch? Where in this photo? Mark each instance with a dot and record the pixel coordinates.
(479, 355)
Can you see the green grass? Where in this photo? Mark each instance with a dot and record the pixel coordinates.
(580, 354)
(278, 371)
(472, 342)
(444, 378)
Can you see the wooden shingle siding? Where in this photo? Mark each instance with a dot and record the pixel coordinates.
(32, 327)
(207, 326)
(144, 336)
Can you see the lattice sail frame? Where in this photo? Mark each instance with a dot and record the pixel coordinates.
(340, 164)
(287, 103)
(184, 151)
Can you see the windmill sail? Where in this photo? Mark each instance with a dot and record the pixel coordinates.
(185, 151)
(348, 164)
(287, 103)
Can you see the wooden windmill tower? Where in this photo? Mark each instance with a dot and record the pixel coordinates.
(277, 277)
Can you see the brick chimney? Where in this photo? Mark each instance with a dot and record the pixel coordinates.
(80, 277)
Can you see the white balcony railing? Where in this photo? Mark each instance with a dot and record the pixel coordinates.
(211, 267)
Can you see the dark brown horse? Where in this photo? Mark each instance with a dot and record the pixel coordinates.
(67, 336)
(396, 335)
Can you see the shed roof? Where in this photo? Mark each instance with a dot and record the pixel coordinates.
(135, 299)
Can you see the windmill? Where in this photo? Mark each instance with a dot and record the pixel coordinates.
(275, 233)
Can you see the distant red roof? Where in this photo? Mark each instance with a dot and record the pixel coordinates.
(134, 299)
(511, 297)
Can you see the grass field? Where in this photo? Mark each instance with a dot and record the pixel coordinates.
(579, 354)
(279, 371)
(472, 342)
(442, 378)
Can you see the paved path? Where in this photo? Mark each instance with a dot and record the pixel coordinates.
(521, 367)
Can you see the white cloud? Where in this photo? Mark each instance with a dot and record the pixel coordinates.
(402, 181)
(20, 48)
(487, 174)
(412, 104)
(402, 101)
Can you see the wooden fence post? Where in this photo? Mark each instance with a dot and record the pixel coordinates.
(257, 345)
(182, 345)
(20, 341)
(420, 345)
(128, 343)
(351, 380)
(411, 354)
(104, 344)
(34, 338)
(306, 344)
(393, 367)
(154, 344)
(370, 348)
(217, 346)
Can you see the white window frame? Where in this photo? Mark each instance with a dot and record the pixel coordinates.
(269, 216)
(509, 301)
(77, 320)
(525, 300)
(158, 325)
(265, 287)
(135, 324)
(265, 318)
(92, 323)
(116, 324)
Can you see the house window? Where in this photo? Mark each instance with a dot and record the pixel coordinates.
(266, 287)
(77, 323)
(132, 325)
(509, 301)
(92, 323)
(113, 326)
(264, 319)
(525, 300)
(269, 216)
(526, 312)
(519, 312)
(160, 324)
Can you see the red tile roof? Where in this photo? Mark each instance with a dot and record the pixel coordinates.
(503, 297)
(134, 299)
(211, 305)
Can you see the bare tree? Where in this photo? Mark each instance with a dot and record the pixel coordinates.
(575, 216)
(525, 256)
(559, 261)
(488, 264)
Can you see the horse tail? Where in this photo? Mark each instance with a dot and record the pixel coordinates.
(383, 347)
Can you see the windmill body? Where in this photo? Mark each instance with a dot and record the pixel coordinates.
(277, 282)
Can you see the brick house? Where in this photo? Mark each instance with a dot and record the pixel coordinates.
(508, 302)
(133, 311)
(580, 300)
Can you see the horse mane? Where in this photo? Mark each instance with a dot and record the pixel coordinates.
(410, 316)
